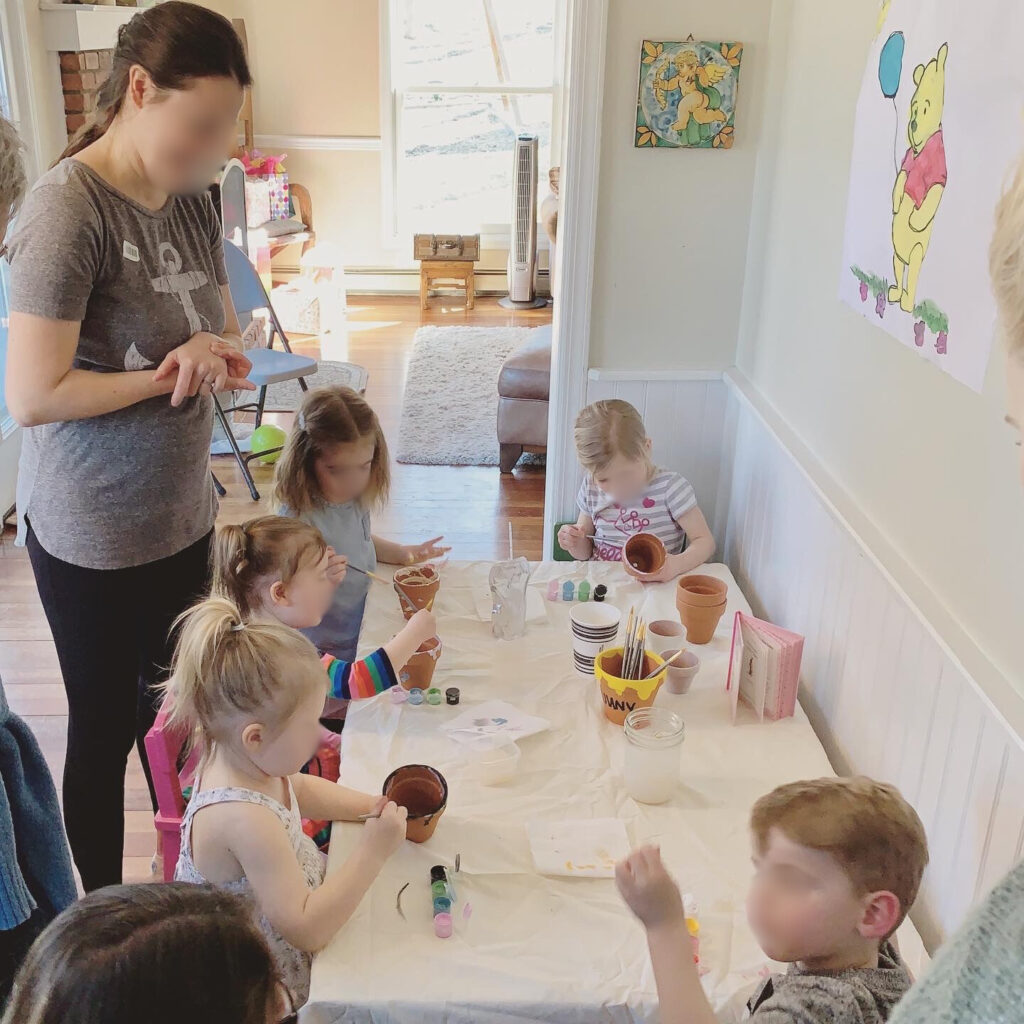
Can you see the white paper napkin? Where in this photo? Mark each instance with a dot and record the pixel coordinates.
(578, 849)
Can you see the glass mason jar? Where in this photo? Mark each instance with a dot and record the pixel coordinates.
(653, 740)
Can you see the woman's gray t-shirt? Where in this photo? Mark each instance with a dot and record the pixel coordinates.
(133, 486)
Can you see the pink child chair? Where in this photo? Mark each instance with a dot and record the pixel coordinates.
(163, 749)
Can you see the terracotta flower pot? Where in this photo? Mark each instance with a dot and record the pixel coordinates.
(416, 586)
(419, 669)
(643, 554)
(701, 590)
(620, 696)
(423, 792)
(700, 621)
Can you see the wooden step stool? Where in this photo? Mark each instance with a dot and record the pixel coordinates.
(458, 271)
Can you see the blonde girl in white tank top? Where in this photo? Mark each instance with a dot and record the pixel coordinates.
(253, 694)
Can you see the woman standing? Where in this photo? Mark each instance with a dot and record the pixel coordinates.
(121, 330)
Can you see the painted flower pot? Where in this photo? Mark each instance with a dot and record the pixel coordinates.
(680, 674)
(701, 590)
(419, 669)
(423, 792)
(700, 621)
(620, 696)
(643, 554)
(416, 586)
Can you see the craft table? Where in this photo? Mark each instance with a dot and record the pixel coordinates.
(535, 947)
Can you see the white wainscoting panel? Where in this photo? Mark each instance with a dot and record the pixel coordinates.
(685, 418)
(886, 695)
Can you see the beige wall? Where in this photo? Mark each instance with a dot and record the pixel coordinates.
(925, 460)
(315, 64)
(316, 71)
(672, 225)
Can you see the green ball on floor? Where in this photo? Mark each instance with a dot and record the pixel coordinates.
(265, 438)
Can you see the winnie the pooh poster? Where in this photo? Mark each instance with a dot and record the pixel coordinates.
(929, 160)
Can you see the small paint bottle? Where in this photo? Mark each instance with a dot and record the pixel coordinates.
(442, 905)
(439, 888)
(437, 874)
(451, 695)
(399, 695)
(434, 696)
(568, 591)
(553, 589)
(416, 696)
(443, 926)
(583, 591)
(600, 592)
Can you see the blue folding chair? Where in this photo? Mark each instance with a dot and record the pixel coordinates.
(269, 366)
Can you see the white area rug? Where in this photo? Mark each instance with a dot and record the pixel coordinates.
(450, 408)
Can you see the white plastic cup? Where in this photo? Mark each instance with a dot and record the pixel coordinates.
(664, 635)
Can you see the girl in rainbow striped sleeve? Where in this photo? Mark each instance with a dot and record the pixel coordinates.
(278, 569)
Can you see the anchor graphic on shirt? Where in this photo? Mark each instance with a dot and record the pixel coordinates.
(180, 285)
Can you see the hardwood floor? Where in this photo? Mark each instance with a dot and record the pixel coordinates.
(470, 505)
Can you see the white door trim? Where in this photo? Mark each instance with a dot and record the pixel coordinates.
(577, 238)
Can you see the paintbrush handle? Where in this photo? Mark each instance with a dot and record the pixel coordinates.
(366, 572)
(664, 665)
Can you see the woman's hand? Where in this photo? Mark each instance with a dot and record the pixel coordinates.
(207, 364)
(239, 364)
(415, 553)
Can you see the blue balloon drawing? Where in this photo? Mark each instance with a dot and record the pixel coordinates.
(890, 65)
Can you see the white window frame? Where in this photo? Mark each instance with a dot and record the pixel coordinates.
(396, 236)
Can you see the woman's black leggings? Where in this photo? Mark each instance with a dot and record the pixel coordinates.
(111, 628)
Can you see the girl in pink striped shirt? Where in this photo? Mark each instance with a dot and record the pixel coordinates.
(625, 493)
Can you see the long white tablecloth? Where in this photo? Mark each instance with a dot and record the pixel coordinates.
(535, 947)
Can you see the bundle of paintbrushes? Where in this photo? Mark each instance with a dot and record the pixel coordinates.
(633, 648)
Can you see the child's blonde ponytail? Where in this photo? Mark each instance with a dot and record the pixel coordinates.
(262, 549)
(224, 667)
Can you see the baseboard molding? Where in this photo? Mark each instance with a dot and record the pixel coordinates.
(406, 280)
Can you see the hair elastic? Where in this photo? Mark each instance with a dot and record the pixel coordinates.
(237, 627)
(300, 419)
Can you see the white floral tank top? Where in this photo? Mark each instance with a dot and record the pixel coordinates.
(293, 964)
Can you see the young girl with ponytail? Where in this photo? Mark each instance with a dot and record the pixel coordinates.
(277, 569)
(252, 694)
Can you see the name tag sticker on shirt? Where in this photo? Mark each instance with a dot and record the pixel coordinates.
(130, 252)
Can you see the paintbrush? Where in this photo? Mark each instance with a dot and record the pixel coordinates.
(610, 543)
(372, 575)
(664, 665)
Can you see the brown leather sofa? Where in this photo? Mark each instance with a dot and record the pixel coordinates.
(524, 387)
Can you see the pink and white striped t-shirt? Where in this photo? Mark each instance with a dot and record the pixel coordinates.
(666, 498)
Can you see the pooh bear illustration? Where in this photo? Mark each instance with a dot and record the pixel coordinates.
(921, 181)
